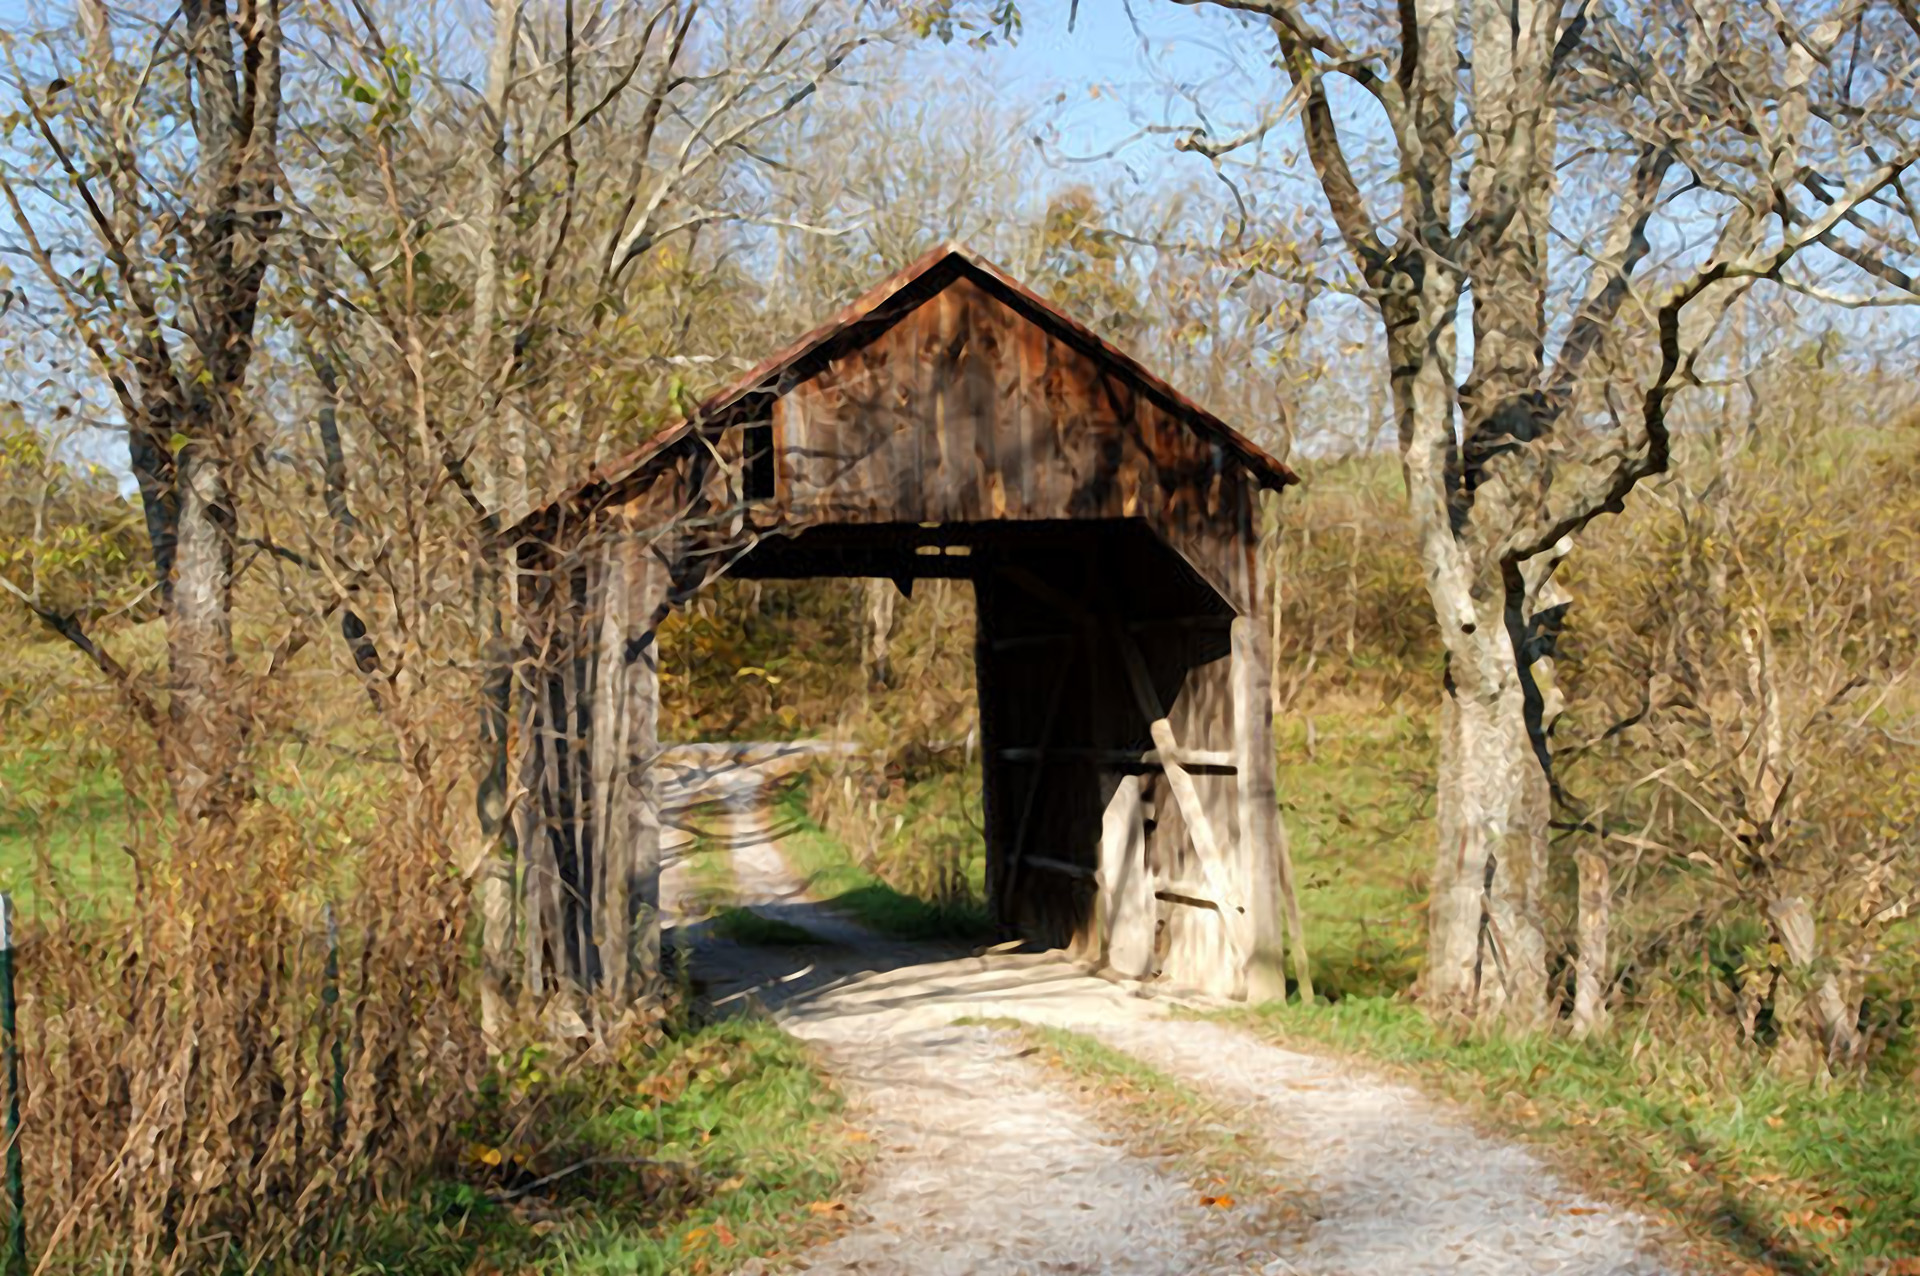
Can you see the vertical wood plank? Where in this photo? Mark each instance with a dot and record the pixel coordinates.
(627, 825)
(988, 692)
(1262, 859)
(940, 404)
(606, 751)
(1127, 906)
(651, 586)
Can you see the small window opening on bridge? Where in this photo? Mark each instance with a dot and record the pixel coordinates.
(757, 461)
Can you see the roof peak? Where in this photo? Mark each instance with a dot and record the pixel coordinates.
(878, 309)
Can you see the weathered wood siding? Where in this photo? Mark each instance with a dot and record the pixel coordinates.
(1088, 849)
(967, 411)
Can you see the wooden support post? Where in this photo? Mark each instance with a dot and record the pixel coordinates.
(543, 817)
(1265, 864)
(627, 814)
(588, 822)
(1126, 889)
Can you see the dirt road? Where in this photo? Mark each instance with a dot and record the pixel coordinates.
(989, 1163)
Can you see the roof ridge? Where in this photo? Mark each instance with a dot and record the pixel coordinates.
(765, 376)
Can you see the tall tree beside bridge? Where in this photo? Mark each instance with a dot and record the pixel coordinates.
(1588, 186)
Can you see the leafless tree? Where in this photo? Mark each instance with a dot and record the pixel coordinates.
(1587, 185)
(165, 301)
(1755, 662)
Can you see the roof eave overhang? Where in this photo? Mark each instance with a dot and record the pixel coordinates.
(861, 322)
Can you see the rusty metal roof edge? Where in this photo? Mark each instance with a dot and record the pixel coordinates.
(765, 377)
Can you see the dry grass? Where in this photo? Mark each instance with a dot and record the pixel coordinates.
(205, 1083)
(181, 1108)
(1167, 1121)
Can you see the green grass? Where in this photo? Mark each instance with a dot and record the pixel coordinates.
(936, 829)
(66, 821)
(744, 926)
(711, 886)
(1764, 1169)
(1357, 809)
(711, 898)
(727, 1145)
(832, 876)
(56, 817)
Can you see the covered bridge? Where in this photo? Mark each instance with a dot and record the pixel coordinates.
(950, 424)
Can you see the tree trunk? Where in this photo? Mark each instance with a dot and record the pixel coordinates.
(494, 876)
(506, 469)
(1486, 945)
(200, 637)
(1808, 993)
(877, 652)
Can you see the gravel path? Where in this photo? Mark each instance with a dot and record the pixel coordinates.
(1401, 1185)
(989, 1165)
(986, 1165)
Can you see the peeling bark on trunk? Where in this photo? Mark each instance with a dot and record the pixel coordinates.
(1486, 951)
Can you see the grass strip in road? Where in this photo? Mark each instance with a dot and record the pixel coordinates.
(1164, 1119)
(833, 877)
(1764, 1173)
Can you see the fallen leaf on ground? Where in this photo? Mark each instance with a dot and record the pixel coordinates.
(1813, 1221)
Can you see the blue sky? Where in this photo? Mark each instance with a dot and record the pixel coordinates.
(1121, 66)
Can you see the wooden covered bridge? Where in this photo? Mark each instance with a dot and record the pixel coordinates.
(949, 424)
